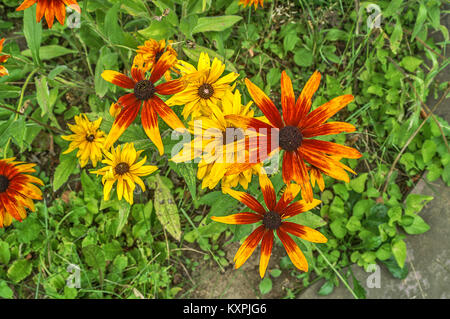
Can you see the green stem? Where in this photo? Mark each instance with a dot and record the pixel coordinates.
(337, 273)
(22, 93)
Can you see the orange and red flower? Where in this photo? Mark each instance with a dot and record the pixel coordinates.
(245, 3)
(3, 59)
(273, 219)
(145, 94)
(296, 129)
(51, 9)
(17, 190)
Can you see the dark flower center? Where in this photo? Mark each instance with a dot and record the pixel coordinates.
(122, 168)
(4, 183)
(158, 56)
(272, 220)
(90, 138)
(290, 138)
(205, 91)
(144, 90)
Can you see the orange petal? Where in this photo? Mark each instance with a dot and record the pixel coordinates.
(247, 122)
(122, 121)
(167, 114)
(150, 124)
(268, 191)
(303, 104)
(238, 219)
(265, 104)
(118, 79)
(26, 4)
(325, 164)
(266, 251)
(298, 207)
(289, 194)
(246, 199)
(50, 13)
(165, 62)
(73, 4)
(171, 87)
(294, 169)
(328, 129)
(137, 74)
(287, 99)
(248, 246)
(294, 253)
(303, 232)
(331, 148)
(60, 12)
(327, 110)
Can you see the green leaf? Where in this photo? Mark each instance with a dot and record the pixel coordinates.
(5, 255)
(359, 184)
(106, 61)
(112, 28)
(186, 170)
(165, 208)
(396, 36)
(5, 291)
(218, 23)
(428, 150)
(308, 219)
(94, 256)
(303, 57)
(415, 203)
(411, 63)
(338, 227)
(19, 270)
(265, 286)
(326, 289)
(33, 33)
(418, 226)
(43, 95)
(124, 212)
(275, 273)
(67, 165)
(49, 52)
(398, 247)
(394, 269)
(420, 19)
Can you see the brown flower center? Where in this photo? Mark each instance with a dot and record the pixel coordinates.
(144, 90)
(122, 168)
(205, 91)
(272, 220)
(90, 138)
(4, 183)
(290, 138)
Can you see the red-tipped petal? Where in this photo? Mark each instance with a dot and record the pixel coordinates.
(150, 124)
(171, 87)
(265, 104)
(26, 4)
(238, 219)
(331, 148)
(247, 200)
(266, 251)
(325, 111)
(287, 99)
(268, 191)
(303, 232)
(304, 101)
(294, 253)
(289, 194)
(167, 114)
(328, 129)
(118, 79)
(165, 62)
(248, 246)
(298, 207)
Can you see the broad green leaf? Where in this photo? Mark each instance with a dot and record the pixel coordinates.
(265, 286)
(49, 52)
(186, 170)
(5, 291)
(33, 32)
(43, 95)
(428, 150)
(398, 247)
(219, 23)
(308, 219)
(20, 270)
(165, 208)
(124, 211)
(396, 36)
(326, 289)
(94, 256)
(67, 165)
(411, 63)
(303, 57)
(418, 226)
(5, 254)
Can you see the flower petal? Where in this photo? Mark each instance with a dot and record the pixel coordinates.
(268, 191)
(248, 246)
(266, 251)
(325, 111)
(303, 232)
(294, 253)
(171, 87)
(303, 104)
(165, 62)
(238, 219)
(246, 199)
(330, 148)
(287, 99)
(118, 79)
(149, 119)
(289, 194)
(167, 114)
(328, 129)
(299, 207)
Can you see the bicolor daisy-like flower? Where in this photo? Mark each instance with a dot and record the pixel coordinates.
(205, 92)
(145, 95)
(213, 142)
(246, 3)
(296, 131)
(122, 167)
(272, 219)
(17, 190)
(3, 59)
(87, 138)
(149, 54)
(51, 9)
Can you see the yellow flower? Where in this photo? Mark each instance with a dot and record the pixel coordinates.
(206, 90)
(123, 168)
(213, 136)
(150, 53)
(87, 138)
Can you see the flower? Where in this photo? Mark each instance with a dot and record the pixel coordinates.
(296, 130)
(205, 92)
(213, 136)
(50, 8)
(3, 59)
(123, 168)
(316, 176)
(145, 94)
(17, 190)
(245, 3)
(87, 138)
(273, 219)
(149, 54)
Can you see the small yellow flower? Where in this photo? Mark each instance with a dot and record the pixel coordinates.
(211, 136)
(123, 168)
(206, 90)
(87, 138)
